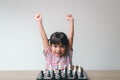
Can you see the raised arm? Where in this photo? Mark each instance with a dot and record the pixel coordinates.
(38, 18)
(70, 18)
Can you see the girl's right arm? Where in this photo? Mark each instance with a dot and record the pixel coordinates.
(38, 18)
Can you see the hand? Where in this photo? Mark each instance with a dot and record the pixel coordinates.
(38, 17)
(69, 17)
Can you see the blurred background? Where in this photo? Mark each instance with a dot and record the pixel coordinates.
(96, 40)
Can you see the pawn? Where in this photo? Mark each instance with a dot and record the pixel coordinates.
(80, 70)
(65, 74)
(70, 72)
(59, 73)
(81, 74)
(75, 72)
(76, 75)
(53, 75)
(48, 73)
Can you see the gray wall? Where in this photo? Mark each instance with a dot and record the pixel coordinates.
(96, 40)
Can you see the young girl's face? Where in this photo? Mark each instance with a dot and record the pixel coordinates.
(58, 49)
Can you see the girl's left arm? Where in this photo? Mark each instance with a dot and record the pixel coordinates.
(71, 30)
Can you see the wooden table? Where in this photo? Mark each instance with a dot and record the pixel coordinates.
(32, 74)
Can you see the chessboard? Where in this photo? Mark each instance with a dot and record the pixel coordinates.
(66, 74)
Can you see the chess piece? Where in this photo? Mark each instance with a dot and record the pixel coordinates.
(59, 76)
(80, 70)
(53, 75)
(64, 74)
(70, 71)
(59, 73)
(41, 75)
(48, 73)
(81, 74)
(75, 73)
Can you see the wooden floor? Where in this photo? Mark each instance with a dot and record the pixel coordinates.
(32, 74)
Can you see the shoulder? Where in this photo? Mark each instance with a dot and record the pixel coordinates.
(69, 52)
(47, 51)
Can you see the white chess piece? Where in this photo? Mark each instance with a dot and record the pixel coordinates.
(69, 67)
(59, 65)
(79, 69)
(50, 68)
(75, 68)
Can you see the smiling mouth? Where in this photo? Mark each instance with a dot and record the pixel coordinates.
(58, 53)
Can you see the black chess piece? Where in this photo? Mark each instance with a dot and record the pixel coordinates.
(76, 75)
(81, 73)
(41, 75)
(48, 73)
(71, 73)
(60, 76)
(66, 73)
(53, 75)
(65, 76)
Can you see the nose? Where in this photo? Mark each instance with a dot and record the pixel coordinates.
(58, 48)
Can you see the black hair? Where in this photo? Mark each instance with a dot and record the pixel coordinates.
(59, 37)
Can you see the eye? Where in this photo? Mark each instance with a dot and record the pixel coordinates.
(55, 46)
(62, 46)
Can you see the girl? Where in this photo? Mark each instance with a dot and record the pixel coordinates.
(58, 49)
